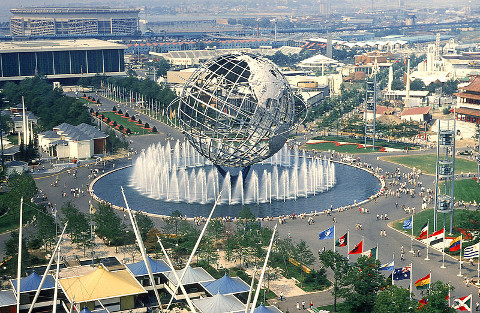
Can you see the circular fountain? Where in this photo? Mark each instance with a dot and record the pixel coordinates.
(170, 177)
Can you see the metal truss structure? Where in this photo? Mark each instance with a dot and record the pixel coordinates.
(445, 172)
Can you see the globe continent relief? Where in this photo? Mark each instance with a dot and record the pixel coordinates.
(237, 110)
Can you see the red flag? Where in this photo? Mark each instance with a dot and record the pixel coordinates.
(424, 232)
(358, 249)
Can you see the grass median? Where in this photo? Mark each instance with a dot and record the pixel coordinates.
(426, 163)
(134, 128)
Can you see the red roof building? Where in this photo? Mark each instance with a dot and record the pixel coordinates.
(416, 114)
(468, 102)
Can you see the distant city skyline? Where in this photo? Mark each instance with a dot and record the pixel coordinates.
(6, 5)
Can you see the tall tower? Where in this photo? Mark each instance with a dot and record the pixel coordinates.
(371, 108)
(329, 46)
(445, 172)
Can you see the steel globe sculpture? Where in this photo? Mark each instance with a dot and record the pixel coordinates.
(238, 109)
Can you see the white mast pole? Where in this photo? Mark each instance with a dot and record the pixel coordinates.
(260, 280)
(55, 293)
(195, 247)
(47, 269)
(174, 271)
(19, 263)
(460, 262)
(142, 250)
(251, 288)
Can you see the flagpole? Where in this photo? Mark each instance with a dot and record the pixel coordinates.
(393, 258)
(428, 242)
(376, 253)
(411, 241)
(443, 250)
(348, 244)
(460, 263)
(333, 238)
(478, 265)
(411, 282)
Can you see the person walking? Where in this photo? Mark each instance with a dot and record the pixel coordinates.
(298, 306)
(303, 304)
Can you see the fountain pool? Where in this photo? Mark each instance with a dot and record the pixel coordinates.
(175, 177)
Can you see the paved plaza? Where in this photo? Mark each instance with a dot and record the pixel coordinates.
(298, 228)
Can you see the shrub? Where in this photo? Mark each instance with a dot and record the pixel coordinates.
(446, 110)
(139, 121)
(154, 129)
(114, 124)
(120, 111)
(133, 117)
(126, 114)
(108, 120)
(114, 109)
(120, 127)
(98, 101)
(147, 126)
(129, 131)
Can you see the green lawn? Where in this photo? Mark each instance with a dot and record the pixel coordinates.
(352, 149)
(467, 190)
(136, 129)
(341, 307)
(380, 143)
(426, 163)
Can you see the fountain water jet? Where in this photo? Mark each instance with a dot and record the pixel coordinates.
(181, 174)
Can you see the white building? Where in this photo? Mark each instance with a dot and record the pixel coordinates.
(68, 141)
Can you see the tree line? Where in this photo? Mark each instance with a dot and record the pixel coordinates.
(51, 105)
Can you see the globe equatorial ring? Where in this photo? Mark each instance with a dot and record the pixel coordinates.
(237, 109)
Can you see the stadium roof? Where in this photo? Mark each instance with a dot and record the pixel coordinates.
(63, 10)
(79, 132)
(31, 283)
(219, 304)
(139, 268)
(100, 284)
(57, 45)
(226, 285)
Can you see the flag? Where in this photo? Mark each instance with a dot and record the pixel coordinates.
(455, 244)
(408, 223)
(402, 273)
(463, 304)
(327, 233)
(358, 248)
(423, 283)
(422, 303)
(390, 266)
(471, 251)
(437, 237)
(423, 232)
(342, 241)
(371, 252)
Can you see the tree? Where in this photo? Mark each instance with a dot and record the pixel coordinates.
(361, 283)
(78, 227)
(46, 229)
(216, 228)
(109, 226)
(394, 300)
(437, 299)
(417, 84)
(246, 214)
(397, 84)
(339, 266)
(144, 223)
